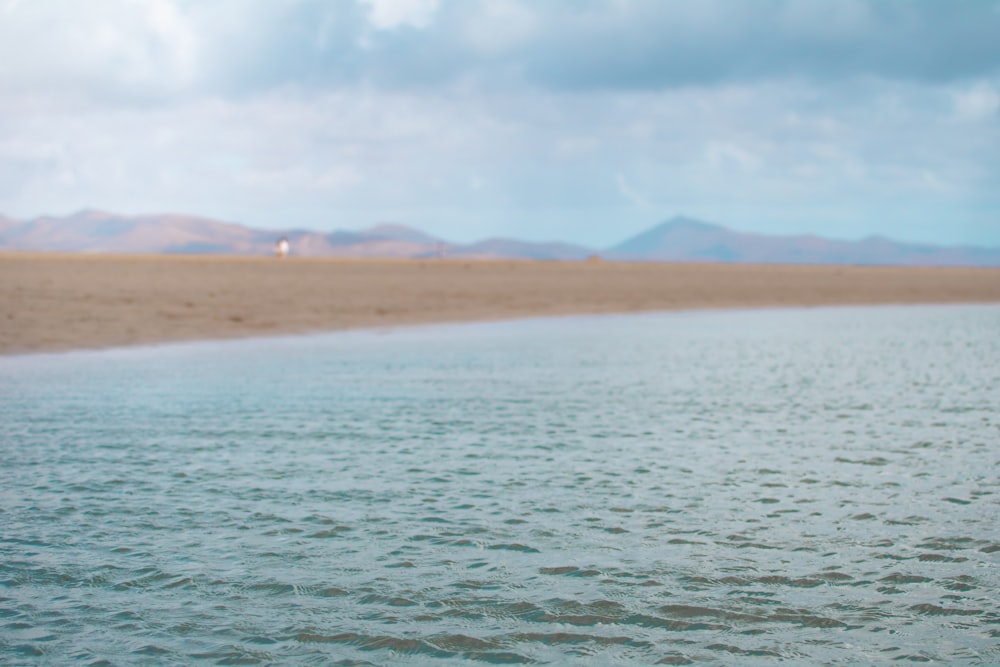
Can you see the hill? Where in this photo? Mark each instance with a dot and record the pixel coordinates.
(100, 231)
(685, 239)
(679, 239)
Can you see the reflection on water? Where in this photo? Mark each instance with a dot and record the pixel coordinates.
(815, 485)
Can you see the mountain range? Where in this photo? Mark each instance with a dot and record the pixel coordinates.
(680, 239)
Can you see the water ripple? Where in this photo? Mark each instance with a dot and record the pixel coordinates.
(809, 486)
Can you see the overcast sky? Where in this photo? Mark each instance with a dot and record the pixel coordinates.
(579, 120)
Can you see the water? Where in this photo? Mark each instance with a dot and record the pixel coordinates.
(736, 487)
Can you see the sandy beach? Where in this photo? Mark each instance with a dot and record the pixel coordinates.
(56, 302)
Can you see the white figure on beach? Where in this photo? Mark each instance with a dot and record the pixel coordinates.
(281, 248)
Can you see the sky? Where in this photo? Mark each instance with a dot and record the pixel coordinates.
(577, 120)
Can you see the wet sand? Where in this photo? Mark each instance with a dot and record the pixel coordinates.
(55, 302)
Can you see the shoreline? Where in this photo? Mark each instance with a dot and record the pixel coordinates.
(53, 302)
(389, 329)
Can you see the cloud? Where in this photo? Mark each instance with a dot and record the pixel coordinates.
(557, 165)
(498, 26)
(389, 14)
(299, 180)
(160, 49)
(725, 157)
(979, 102)
(577, 119)
(665, 44)
(105, 49)
(629, 193)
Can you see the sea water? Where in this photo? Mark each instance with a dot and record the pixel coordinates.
(819, 486)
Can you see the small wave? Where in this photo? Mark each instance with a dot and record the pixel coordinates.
(514, 547)
(935, 610)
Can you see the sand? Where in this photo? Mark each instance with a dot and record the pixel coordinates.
(56, 302)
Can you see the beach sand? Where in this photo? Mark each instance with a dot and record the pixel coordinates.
(55, 302)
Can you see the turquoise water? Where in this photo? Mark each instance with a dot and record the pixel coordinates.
(727, 487)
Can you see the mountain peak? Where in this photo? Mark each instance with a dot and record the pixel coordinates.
(93, 214)
(398, 232)
(672, 239)
(682, 222)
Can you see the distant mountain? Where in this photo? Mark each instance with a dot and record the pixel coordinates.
(679, 239)
(685, 239)
(99, 231)
(402, 233)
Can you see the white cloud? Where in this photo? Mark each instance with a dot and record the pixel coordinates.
(724, 156)
(629, 193)
(299, 180)
(574, 147)
(389, 14)
(176, 35)
(981, 101)
(111, 49)
(496, 25)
